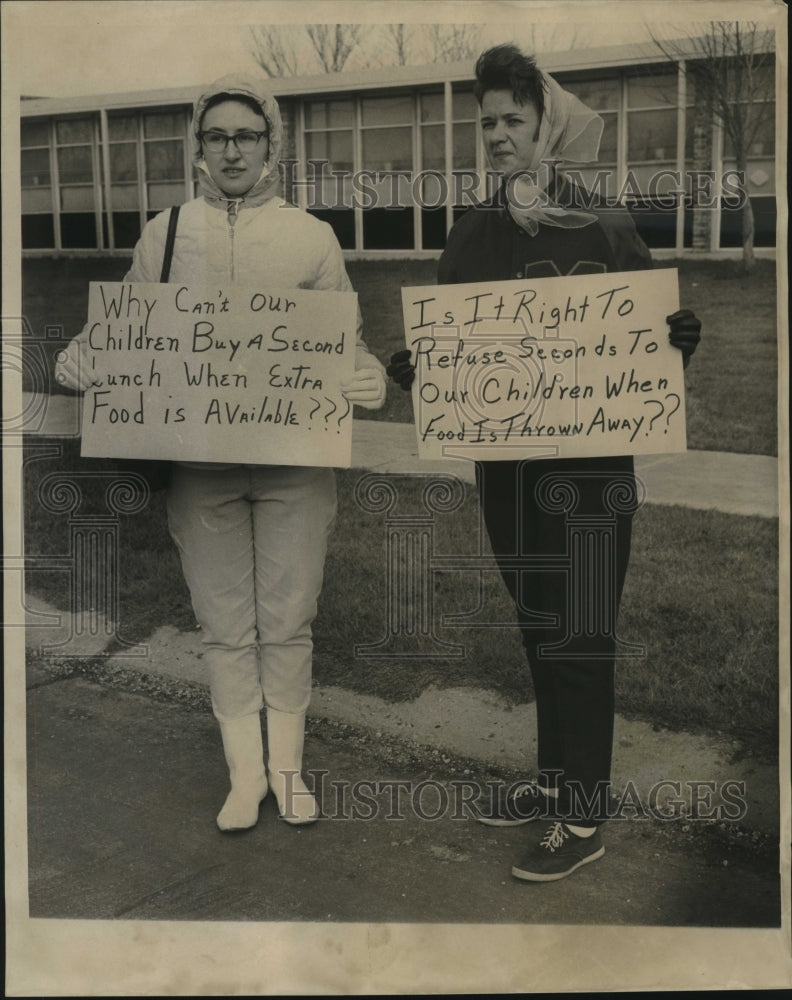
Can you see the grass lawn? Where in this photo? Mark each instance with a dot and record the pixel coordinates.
(701, 597)
(701, 593)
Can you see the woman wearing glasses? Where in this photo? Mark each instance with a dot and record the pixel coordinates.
(252, 539)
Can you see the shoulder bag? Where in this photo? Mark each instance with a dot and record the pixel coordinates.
(156, 473)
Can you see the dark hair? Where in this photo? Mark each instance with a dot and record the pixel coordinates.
(216, 99)
(504, 67)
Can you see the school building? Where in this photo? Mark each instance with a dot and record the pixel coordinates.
(402, 157)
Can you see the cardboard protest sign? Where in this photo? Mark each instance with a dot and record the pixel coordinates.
(219, 374)
(552, 367)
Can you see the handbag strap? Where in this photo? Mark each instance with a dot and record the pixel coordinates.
(169, 241)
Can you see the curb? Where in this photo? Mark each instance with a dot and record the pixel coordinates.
(673, 775)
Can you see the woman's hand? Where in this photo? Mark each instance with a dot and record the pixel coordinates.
(366, 388)
(73, 366)
(401, 369)
(684, 333)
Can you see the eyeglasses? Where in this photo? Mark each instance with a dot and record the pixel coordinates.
(245, 142)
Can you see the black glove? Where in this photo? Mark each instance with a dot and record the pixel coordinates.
(401, 369)
(685, 333)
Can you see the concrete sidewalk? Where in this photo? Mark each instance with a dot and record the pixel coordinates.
(705, 480)
(123, 791)
(468, 723)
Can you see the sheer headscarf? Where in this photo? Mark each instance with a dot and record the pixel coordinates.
(569, 132)
(266, 185)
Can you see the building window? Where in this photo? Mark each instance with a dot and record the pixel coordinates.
(601, 95)
(329, 132)
(431, 117)
(397, 144)
(163, 156)
(464, 126)
(651, 121)
(38, 223)
(386, 148)
(386, 125)
(759, 175)
(76, 150)
(464, 129)
(123, 139)
(435, 191)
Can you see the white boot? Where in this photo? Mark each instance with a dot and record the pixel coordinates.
(285, 737)
(244, 754)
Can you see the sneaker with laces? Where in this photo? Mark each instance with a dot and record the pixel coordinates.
(511, 805)
(558, 853)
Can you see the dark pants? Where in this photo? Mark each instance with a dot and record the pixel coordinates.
(560, 530)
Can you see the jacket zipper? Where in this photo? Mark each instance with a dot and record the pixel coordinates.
(233, 215)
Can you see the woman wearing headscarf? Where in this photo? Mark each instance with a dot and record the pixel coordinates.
(537, 226)
(252, 538)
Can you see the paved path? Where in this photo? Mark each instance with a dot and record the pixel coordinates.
(706, 480)
(724, 481)
(123, 792)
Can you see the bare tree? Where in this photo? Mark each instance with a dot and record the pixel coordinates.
(538, 39)
(397, 40)
(335, 43)
(309, 48)
(275, 50)
(454, 42)
(731, 63)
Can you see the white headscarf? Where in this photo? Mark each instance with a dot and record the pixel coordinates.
(569, 132)
(266, 185)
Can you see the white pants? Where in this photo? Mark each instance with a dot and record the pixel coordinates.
(253, 541)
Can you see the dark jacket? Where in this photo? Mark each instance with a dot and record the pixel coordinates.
(486, 244)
